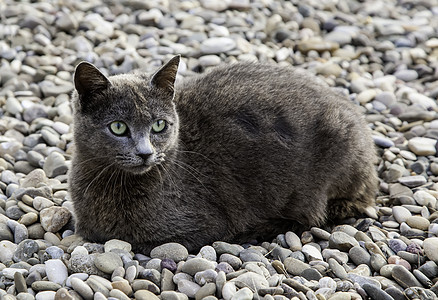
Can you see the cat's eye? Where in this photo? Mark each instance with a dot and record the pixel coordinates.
(159, 126)
(118, 128)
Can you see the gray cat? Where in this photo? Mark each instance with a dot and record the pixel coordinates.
(244, 151)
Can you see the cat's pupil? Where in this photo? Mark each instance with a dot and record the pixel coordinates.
(159, 126)
(118, 128)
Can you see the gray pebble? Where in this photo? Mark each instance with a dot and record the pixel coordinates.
(174, 251)
(223, 247)
(342, 241)
(82, 288)
(25, 250)
(404, 277)
(108, 262)
(188, 288)
(196, 265)
(376, 293)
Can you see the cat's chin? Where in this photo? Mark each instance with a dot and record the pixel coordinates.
(138, 169)
(141, 170)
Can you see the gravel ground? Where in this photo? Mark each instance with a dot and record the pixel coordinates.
(383, 54)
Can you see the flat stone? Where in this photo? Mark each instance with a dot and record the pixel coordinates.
(311, 252)
(383, 142)
(172, 295)
(188, 287)
(342, 241)
(195, 265)
(224, 247)
(45, 295)
(122, 285)
(56, 271)
(337, 269)
(252, 280)
(107, 262)
(145, 295)
(376, 293)
(206, 290)
(82, 288)
(430, 246)
(20, 283)
(406, 75)
(400, 213)
(418, 222)
(217, 45)
(117, 244)
(45, 286)
(412, 181)
(405, 278)
(422, 146)
(174, 251)
(295, 266)
(424, 198)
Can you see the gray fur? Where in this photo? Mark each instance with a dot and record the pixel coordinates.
(251, 151)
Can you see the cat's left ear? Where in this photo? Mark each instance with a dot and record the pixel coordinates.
(164, 78)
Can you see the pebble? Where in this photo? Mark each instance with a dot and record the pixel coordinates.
(56, 271)
(401, 214)
(82, 288)
(342, 241)
(430, 245)
(196, 265)
(107, 262)
(54, 218)
(145, 295)
(188, 288)
(174, 251)
(404, 277)
(422, 146)
(413, 181)
(252, 280)
(117, 244)
(217, 45)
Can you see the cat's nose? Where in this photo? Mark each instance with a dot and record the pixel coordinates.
(144, 156)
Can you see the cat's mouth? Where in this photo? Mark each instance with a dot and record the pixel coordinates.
(139, 164)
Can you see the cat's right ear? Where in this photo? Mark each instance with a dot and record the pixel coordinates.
(89, 79)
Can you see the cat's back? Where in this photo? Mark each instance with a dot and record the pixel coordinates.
(254, 100)
(232, 85)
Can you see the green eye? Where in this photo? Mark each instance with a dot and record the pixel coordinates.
(118, 128)
(159, 126)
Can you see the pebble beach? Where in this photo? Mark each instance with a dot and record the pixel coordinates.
(382, 54)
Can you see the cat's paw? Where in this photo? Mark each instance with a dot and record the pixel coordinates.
(371, 212)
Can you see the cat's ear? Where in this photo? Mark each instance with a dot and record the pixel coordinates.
(164, 78)
(89, 79)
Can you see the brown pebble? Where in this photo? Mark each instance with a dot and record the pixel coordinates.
(20, 283)
(145, 295)
(122, 285)
(63, 294)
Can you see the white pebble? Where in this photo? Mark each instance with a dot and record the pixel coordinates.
(56, 271)
(229, 290)
(45, 295)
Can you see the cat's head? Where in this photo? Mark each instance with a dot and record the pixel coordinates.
(126, 121)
